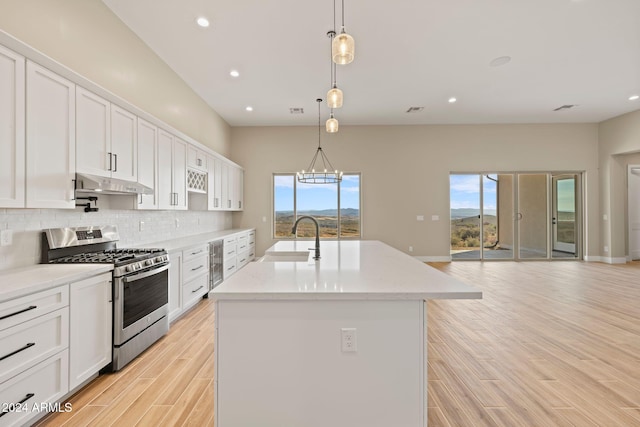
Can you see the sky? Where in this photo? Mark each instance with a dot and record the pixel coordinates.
(465, 193)
(316, 196)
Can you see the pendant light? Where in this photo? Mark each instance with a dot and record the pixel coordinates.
(334, 96)
(325, 173)
(332, 124)
(343, 46)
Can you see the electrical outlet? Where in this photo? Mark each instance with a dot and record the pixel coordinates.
(177, 223)
(410, 248)
(141, 225)
(349, 340)
(420, 218)
(6, 237)
(606, 249)
(435, 217)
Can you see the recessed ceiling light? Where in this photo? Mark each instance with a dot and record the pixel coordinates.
(248, 108)
(203, 22)
(452, 100)
(634, 97)
(234, 73)
(501, 60)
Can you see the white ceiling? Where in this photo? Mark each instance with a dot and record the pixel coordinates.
(409, 53)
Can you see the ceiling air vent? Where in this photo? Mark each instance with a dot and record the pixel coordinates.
(565, 107)
(415, 109)
(296, 110)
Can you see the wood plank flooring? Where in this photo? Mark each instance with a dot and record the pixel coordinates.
(551, 344)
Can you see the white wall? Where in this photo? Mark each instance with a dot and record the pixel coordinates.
(405, 171)
(618, 137)
(85, 36)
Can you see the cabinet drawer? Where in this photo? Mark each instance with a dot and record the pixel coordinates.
(22, 309)
(46, 382)
(230, 251)
(242, 259)
(243, 243)
(195, 267)
(230, 240)
(229, 267)
(30, 342)
(194, 290)
(195, 251)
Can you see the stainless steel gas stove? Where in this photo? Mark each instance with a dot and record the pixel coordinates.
(140, 284)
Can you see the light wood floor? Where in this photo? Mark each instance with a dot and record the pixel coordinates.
(551, 344)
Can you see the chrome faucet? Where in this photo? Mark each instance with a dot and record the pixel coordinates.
(295, 226)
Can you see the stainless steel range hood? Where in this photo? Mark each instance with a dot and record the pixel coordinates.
(100, 184)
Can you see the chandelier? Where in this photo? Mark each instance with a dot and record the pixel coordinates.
(320, 170)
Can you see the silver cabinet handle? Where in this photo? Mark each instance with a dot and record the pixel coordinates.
(196, 290)
(197, 268)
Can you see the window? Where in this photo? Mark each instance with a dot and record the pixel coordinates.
(335, 206)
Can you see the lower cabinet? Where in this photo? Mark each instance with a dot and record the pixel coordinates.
(90, 346)
(188, 278)
(50, 343)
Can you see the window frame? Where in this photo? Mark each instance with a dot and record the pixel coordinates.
(295, 207)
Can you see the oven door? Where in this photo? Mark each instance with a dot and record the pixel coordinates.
(140, 300)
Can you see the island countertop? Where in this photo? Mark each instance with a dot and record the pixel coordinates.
(347, 269)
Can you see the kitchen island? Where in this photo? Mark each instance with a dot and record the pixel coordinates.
(341, 341)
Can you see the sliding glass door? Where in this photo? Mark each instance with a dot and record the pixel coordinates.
(524, 216)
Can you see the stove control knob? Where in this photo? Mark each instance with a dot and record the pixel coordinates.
(160, 259)
(148, 262)
(129, 268)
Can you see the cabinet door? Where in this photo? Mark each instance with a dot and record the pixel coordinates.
(180, 173)
(166, 197)
(224, 184)
(196, 159)
(93, 134)
(51, 144)
(175, 285)
(90, 343)
(240, 189)
(124, 144)
(147, 163)
(215, 183)
(11, 129)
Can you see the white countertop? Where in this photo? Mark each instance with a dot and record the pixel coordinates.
(27, 280)
(196, 239)
(347, 270)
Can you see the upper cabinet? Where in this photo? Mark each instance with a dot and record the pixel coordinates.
(172, 172)
(148, 163)
(12, 175)
(196, 159)
(225, 185)
(50, 139)
(106, 138)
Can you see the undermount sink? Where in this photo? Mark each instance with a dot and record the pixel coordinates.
(287, 256)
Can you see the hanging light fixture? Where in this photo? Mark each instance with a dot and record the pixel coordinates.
(334, 96)
(332, 124)
(343, 46)
(323, 172)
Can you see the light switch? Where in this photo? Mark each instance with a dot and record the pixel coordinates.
(435, 217)
(420, 218)
(6, 238)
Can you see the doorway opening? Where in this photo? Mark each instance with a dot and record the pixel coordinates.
(515, 216)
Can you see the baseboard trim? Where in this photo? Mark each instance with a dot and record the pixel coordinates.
(433, 258)
(612, 260)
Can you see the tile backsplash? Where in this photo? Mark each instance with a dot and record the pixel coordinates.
(26, 226)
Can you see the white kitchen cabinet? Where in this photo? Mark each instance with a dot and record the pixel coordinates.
(172, 172)
(50, 139)
(93, 134)
(214, 184)
(106, 138)
(34, 342)
(124, 145)
(175, 285)
(195, 271)
(236, 178)
(90, 345)
(12, 143)
(147, 164)
(196, 159)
